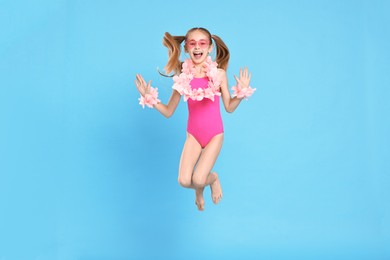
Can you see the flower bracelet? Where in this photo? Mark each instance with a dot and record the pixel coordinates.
(241, 92)
(149, 99)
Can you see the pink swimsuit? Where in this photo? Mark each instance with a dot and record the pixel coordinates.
(204, 117)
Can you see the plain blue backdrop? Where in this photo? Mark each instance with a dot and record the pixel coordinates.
(87, 174)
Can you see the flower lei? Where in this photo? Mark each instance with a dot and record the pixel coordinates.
(182, 82)
(182, 85)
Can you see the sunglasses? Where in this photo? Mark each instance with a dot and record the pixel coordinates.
(201, 43)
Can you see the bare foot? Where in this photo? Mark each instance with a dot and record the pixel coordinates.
(216, 189)
(199, 200)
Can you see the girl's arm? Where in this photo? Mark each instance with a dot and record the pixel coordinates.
(166, 110)
(230, 103)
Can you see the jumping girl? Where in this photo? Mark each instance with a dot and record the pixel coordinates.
(201, 82)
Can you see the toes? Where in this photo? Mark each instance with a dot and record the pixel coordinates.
(200, 206)
(216, 200)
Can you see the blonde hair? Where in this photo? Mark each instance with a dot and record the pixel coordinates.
(173, 43)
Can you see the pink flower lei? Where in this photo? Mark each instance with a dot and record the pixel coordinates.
(182, 82)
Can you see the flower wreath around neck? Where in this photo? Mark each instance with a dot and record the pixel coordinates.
(182, 82)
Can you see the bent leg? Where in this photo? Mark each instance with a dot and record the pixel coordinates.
(189, 157)
(201, 176)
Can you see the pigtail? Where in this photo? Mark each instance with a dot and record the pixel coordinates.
(223, 55)
(173, 44)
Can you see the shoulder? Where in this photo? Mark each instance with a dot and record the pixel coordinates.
(221, 74)
(221, 71)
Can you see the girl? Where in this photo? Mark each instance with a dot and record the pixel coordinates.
(201, 82)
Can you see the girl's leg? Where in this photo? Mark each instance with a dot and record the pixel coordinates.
(202, 176)
(189, 157)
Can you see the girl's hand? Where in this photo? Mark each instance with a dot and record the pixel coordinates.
(244, 79)
(141, 85)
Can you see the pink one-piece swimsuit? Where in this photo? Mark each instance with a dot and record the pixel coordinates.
(204, 117)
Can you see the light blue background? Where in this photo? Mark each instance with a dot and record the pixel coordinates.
(87, 174)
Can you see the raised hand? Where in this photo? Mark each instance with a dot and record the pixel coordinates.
(142, 86)
(149, 95)
(242, 89)
(244, 79)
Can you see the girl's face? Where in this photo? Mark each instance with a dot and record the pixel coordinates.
(198, 46)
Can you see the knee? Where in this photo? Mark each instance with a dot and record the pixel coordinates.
(185, 182)
(198, 181)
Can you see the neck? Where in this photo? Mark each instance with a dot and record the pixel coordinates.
(198, 68)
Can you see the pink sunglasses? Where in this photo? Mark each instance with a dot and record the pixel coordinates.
(201, 43)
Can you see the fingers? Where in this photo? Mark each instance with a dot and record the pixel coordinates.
(139, 77)
(236, 79)
(140, 80)
(244, 73)
(141, 85)
(137, 82)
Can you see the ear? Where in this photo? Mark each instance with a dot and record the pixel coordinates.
(210, 48)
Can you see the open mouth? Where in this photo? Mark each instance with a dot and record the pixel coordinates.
(198, 54)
